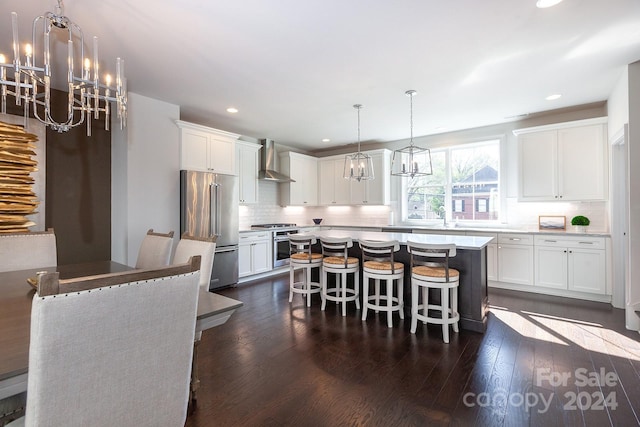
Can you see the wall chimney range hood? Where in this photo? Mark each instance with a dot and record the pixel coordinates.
(269, 163)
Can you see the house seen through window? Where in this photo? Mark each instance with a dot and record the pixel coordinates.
(464, 185)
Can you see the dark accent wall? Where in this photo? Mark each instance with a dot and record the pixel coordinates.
(78, 189)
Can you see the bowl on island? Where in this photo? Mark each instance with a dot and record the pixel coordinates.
(317, 221)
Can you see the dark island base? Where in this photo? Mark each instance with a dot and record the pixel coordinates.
(473, 299)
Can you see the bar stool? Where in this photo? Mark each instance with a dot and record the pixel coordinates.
(430, 269)
(301, 257)
(378, 264)
(337, 260)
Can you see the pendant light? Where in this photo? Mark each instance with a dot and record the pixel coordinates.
(358, 166)
(411, 161)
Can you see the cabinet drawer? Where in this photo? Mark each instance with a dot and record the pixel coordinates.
(515, 239)
(570, 242)
(254, 236)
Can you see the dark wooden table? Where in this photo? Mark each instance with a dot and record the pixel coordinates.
(16, 296)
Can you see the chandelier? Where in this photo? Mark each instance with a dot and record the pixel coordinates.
(30, 80)
(411, 161)
(358, 166)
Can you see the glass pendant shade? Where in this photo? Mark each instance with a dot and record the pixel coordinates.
(411, 161)
(358, 166)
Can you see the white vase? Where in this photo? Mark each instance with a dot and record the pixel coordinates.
(580, 228)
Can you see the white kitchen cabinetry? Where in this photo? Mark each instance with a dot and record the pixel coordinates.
(254, 253)
(247, 171)
(571, 263)
(333, 189)
(564, 162)
(377, 190)
(206, 149)
(304, 170)
(515, 258)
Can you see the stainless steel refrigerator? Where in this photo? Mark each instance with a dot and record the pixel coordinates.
(208, 207)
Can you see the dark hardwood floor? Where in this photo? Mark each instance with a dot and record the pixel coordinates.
(275, 363)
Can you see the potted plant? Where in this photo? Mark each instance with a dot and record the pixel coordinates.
(580, 223)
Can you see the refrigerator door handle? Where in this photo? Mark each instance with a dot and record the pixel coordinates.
(214, 209)
(218, 230)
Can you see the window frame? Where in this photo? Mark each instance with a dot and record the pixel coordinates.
(448, 199)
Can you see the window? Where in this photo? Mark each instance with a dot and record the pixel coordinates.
(465, 182)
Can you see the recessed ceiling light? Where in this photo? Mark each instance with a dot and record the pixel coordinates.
(552, 97)
(547, 3)
(232, 110)
(326, 140)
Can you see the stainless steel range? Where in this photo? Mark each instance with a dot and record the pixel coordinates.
(280, 232)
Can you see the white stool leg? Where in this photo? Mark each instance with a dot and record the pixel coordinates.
(444, 301)
(377, 281)
(425, 303)
(401, 296)
(291, 282)
(389, 287)
(454, 307)
(343, 288)
(414, 306)
(365, 295)
(324, 274)
(308, 285)
(356, 288)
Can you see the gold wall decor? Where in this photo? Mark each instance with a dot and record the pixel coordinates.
(17, 199)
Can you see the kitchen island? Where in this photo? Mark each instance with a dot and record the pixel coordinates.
(470, 260)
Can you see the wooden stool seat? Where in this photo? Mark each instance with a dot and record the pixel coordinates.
(434, 272)
(381, 266)
(336, 260)
(305, 257)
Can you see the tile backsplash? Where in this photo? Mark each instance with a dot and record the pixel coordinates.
(518, 215)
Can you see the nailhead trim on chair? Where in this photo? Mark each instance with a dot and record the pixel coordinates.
(305, 257)
(377, 265)
(340, 260)
(434, 271)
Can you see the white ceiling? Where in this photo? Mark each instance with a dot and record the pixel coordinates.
(294, 68)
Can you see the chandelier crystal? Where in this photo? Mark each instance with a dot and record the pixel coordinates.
(29, 81)
(411, 161)
(358, 166)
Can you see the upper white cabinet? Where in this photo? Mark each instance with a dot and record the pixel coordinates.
(333, 189)
(303, 170)
(375, 191)
(247, 171)
(206, 149)
(564, 162)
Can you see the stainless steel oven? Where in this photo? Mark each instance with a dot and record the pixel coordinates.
(281, 247)
(280, 241)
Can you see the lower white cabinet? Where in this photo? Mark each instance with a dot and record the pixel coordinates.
(254, 253)
(515, 258)
(571, 263)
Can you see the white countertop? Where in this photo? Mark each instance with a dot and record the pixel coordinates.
(462, 242)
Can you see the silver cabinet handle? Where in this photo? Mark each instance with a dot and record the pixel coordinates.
(586, 243)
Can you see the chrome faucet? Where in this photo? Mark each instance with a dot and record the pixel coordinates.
(443, 210)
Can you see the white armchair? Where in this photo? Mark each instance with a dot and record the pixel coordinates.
(22, 251)
(112, 350)
(155, 250)
(189, 246)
